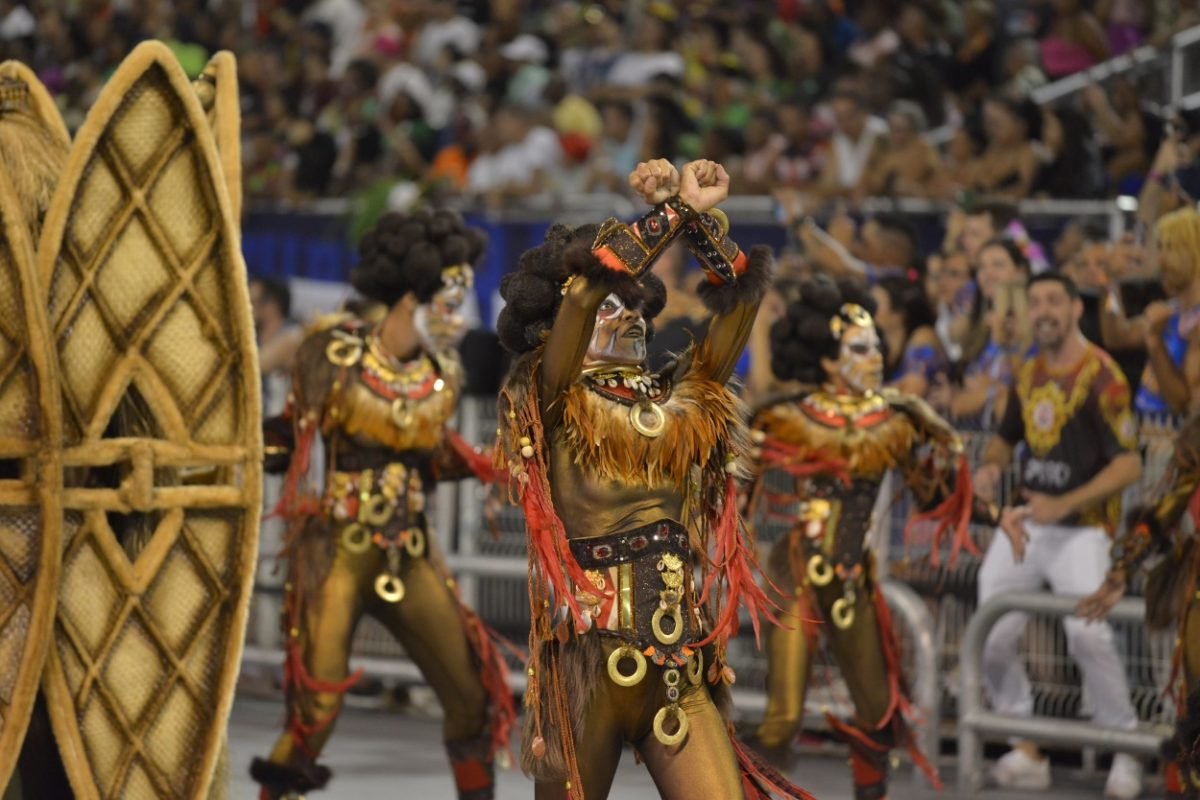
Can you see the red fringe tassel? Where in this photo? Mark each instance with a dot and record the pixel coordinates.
(899, 707)
(478, 463)
(761, 781)
(734, 567)
(548, 542)
(494, 676)
(952, 515)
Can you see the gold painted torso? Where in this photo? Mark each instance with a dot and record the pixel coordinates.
(867, 433)
(860, 439)
(403, 407)
(606, 477)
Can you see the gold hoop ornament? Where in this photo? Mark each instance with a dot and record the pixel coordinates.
(656, 625)
(414, 544)
(820, 571)
(344, 352)
(375, 509)
(390, 588)
(670, 740)
(695, 668)
(654, 429)
(619, 655)
(356, 539)
(842, 613)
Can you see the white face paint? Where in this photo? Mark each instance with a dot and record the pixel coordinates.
(619, 336)
(860, 360)
(440, 322)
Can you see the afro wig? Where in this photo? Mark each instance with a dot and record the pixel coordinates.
(802, 336)
(533, 293)
(407, 252)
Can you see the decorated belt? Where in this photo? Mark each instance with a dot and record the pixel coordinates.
(382, 508)
(643, 597)
(834, 521)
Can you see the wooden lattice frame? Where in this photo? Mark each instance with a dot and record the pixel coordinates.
(27, 375)
(117, 738)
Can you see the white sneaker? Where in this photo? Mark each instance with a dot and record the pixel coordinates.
(1017, 770)
(1124, 779)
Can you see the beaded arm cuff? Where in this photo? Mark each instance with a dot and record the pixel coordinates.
(708, 239)
(1130, 550)
(633, 248)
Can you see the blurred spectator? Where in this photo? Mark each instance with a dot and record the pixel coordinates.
(1168, 330)
(518, 157)
(802, 157)
(615, 155)
(976, 62)
(971, 228)
(1009, 165)
(1117, 115)
(915, 359)
(1125, 22)
(917, 68)
(1073, 41)
(1174, 17)
(951, 290)
(278, 340)
(996, 337)
(854, 137)
(904, 163)
(652, 53)
(1022, 68)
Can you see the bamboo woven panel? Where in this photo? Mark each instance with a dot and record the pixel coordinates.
(224, 117)
(151, 320)
(30, 517)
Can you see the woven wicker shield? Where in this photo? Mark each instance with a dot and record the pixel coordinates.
(161, 426)
(30, 473)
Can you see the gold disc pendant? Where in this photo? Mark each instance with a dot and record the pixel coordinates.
(401, 416)
(390, 588)
(356, 538)
(672, 739)
(842, 613)
(639, 666)
(820, 571)
(653, 429)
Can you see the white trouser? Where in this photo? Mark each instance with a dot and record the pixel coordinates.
(1073, 561)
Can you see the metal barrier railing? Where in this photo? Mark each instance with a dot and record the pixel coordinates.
(974, 722)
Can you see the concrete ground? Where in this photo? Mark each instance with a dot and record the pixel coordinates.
(377, 755)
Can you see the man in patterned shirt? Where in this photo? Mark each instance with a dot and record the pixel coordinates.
(1070, 407)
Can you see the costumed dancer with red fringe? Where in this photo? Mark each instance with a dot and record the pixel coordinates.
(1171, 597)
(839, 441)
(380, 395)
(627, 481)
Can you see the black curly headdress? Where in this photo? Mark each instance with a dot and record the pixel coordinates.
(802, 336)
(406, 253)
(533, 292)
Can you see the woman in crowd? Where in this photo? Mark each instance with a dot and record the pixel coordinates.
(998, 337)
(904, 163)
(915, 361)
(1009, 164)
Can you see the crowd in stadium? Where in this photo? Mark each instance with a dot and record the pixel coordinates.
(505, 100)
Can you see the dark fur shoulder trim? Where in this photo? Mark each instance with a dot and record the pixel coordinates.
(750, 286)
(580, 260)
